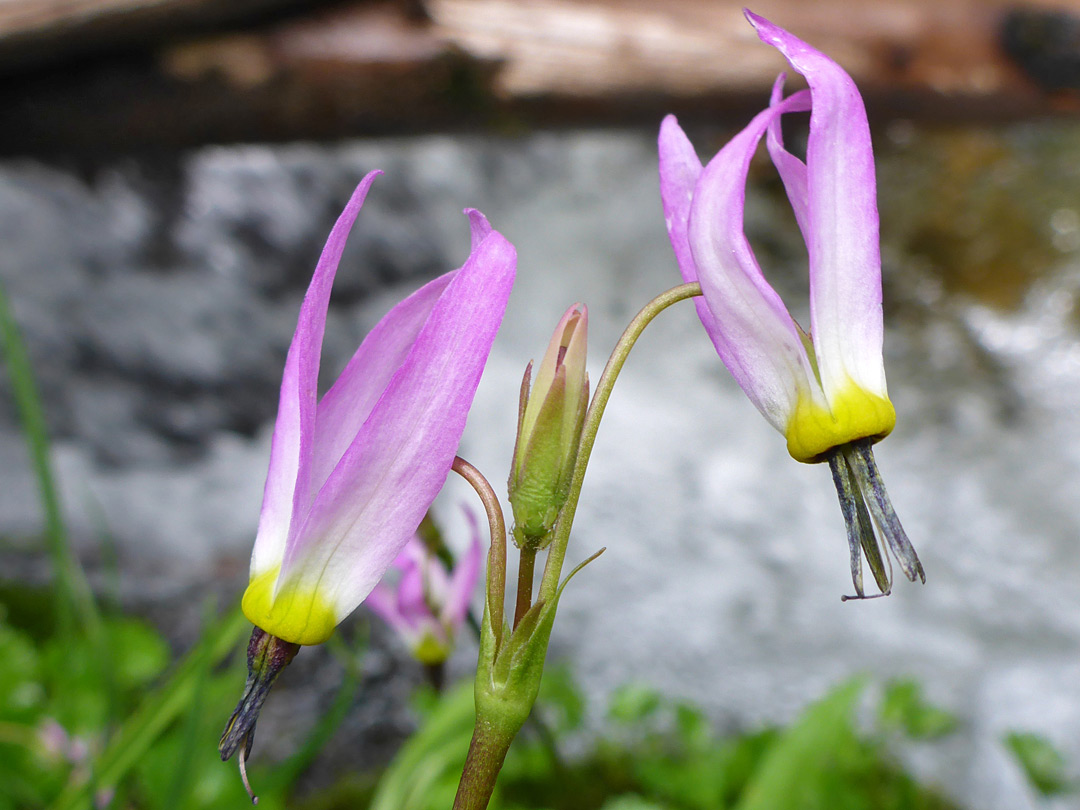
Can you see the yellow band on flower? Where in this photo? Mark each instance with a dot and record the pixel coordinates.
(855, 414)
(431, 651)
(297, 614)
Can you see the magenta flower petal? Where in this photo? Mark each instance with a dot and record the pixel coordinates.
(479, 228)
(383, 602)
(352, 476)
(291, 450)
(426, 607)
(347, 405)
(680, 169)
(462, 583)
(411, 590)
(845, 260)
(792, 170)
(378, 493)
(754, 334)
(825, 389)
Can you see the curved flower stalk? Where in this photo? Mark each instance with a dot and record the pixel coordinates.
(428, 604)
(352, 475)
(823, 390)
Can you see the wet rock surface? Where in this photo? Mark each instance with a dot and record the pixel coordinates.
(158, 295)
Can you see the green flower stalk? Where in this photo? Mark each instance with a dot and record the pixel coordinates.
(550, 416)
(511, 660)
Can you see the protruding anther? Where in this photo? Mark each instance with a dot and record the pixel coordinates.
(863, 596)
(242, 758)
(869, 515)
(267, 656)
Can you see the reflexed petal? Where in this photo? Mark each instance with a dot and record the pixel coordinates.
(410, 595)
(463, 584)
(479, 228)
(407, 558)
(347, 405)
(383, 602)
(375, 498)
(291, 449)
(845, 261)
(792, 170)
(436, 577)
(755, 336)
(679, 173)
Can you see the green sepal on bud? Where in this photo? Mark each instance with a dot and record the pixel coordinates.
(550, 417)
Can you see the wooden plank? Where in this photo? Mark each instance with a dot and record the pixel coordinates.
(386, 66)
(687, 48)
(40, 32)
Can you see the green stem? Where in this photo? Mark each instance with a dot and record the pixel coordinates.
(496, 573)
(499, 719)
(526, 567)
(549, 586)
(482, 765)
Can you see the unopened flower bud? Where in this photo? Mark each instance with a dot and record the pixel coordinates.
(550, 418)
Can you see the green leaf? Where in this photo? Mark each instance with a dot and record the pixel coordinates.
(903, 708)
(803, 764)
(75, 607)
(79, 694)
(21, 693)
(633, 703)
(1042, 763)
(138, 654)
(428, 765)
(157, 711)
(631, 803)
(692, 726)
(94, 682)
(560, 698)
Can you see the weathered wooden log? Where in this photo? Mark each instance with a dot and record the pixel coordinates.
(42, 32)
(955, 52)
(379, 67)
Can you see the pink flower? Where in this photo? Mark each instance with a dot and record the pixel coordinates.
(428, 604)
(352, 475)
(824, 390)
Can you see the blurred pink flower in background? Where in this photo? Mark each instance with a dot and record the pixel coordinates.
(428, 604)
